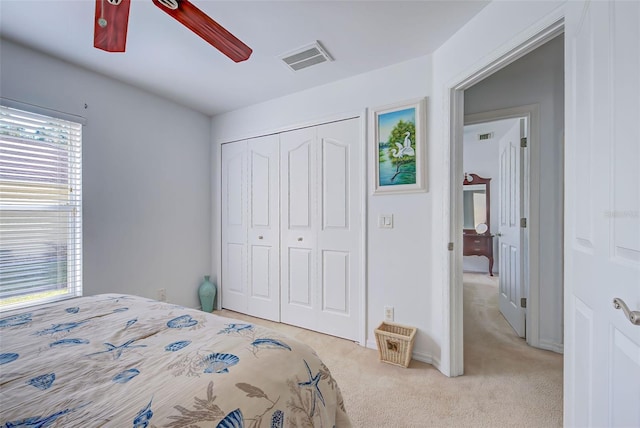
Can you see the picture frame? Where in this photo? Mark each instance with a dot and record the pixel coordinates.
(397, 147)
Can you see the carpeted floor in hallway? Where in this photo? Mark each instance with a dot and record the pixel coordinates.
(506, 382)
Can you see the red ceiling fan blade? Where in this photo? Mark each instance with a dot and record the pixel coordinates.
(213, 33)
(110, 26)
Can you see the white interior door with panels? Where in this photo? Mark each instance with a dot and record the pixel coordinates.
(510, 260)
(263, 237)
(602, 214)
(320, 227)
(299, 217)
(233, 281)
(250, 227)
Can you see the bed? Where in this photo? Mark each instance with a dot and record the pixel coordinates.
(123, 361)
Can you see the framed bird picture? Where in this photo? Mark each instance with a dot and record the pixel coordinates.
(398, 147)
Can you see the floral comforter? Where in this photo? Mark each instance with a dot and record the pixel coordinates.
(127, 361)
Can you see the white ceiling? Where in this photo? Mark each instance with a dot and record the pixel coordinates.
(165, 58)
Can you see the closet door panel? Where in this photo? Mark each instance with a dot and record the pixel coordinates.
(263, 228)
(233, 281)
(339, 235)
(335, 282)
(261, 166)
(260, 263)
(300, 281)
(298, 193)
(335, 185)
(300, 162)
(235, 270)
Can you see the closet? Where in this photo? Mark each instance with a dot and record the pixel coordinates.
(292, 227)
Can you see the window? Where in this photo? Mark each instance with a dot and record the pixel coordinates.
(40, 208)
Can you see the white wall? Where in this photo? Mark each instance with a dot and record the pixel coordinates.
(538, 78)
(146, 176)
(399, 259)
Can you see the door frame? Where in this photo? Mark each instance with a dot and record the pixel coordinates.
(526, 42)
(530, 244)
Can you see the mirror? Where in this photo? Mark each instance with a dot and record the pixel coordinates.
(475, 205)
(476, 201)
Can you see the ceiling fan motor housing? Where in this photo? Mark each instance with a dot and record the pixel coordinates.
(169, 4)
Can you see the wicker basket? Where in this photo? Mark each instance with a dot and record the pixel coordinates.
(395, 343)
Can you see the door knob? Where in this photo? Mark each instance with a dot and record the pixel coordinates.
(300, 239)
(260, 237)
(498, 234)
(633, 316)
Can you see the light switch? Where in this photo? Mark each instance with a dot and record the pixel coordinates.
(385, 221)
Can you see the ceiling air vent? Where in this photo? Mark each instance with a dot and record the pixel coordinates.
(306, 56)
(487, 136)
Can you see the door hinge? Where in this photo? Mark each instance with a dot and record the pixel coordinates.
(523, 142)
(523, 302)
(450, 246)
(523, 222)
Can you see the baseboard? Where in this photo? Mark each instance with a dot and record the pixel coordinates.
(495, 272)
(418, 356)
(550, 346)
(427, 358)
(371, 344)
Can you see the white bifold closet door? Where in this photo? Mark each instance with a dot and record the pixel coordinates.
(250, 274)
(320, 228)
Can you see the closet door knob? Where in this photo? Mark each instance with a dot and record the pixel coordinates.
(300, 239)
(260, 237)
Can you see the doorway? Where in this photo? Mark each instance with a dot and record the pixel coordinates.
(489, 91)
(492, 149)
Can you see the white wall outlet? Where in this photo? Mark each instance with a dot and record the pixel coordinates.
(162, 294)
(388, 313)
(385, 221)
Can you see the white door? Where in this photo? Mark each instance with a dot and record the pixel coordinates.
(510, 261)
(263, 222)
(339, 233)
(320, 227)
(233, 281)
(298, 228)
(602, 213)
(250, 279)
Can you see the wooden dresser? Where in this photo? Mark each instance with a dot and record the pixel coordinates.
(478, 245)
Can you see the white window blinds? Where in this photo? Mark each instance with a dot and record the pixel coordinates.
(40, 208)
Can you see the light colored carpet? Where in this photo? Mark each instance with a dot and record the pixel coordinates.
(507, 383)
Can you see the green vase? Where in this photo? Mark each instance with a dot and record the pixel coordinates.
(207, 293)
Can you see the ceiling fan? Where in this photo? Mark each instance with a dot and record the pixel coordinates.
(112, 18)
